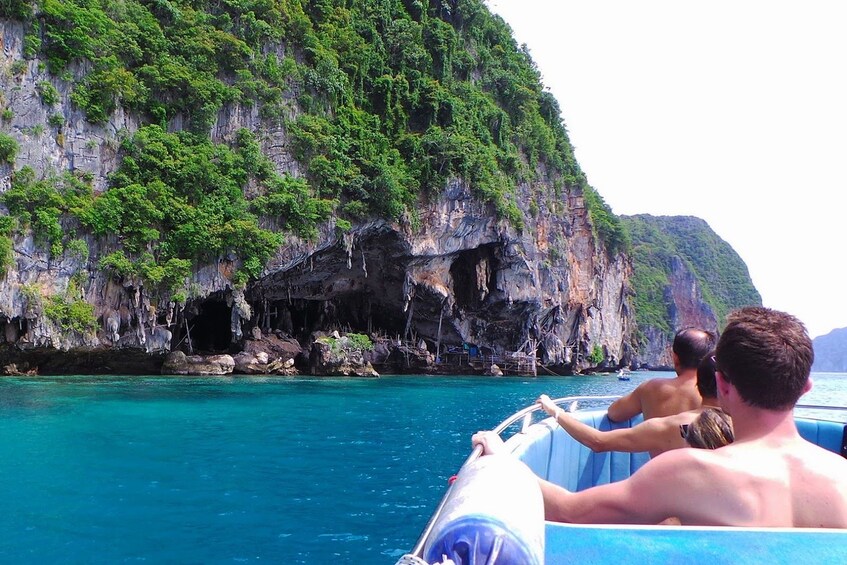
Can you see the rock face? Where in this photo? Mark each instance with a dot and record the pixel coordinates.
(462, 278)
(685, 276)
(400, 359)
(686, 309)
(455, 275)
(336, 355)
(76, 144)
(831, 352)
(178, 363)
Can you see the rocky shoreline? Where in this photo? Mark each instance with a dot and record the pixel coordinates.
(326, 354)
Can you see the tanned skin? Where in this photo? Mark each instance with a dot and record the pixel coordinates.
(655, 435)
(768, 477)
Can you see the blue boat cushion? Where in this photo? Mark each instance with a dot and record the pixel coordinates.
(533, 446)
(829, 435)
(564, 461)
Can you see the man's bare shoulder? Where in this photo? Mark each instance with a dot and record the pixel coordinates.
(762, 458)
(678, 462)
(822, 460)
(664, 385)
(652, 383)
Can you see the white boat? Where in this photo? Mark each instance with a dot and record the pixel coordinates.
(623, 375)
(458, 532)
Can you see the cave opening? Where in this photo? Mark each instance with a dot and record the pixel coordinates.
(210, 329)
(354, 312)
(474, 274)
(14, 328)
(305, 315)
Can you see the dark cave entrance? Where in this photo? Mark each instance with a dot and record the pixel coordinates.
(354, 312)
(474, 274)
(14, 328)
(210, 328)
(305, 316)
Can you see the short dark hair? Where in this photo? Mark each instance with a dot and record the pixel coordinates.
(767, 355)
(706, 384)
(691, 345)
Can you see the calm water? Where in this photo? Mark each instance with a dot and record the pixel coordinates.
(219, 470)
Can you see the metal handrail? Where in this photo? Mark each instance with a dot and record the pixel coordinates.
(526, 415)
(820, 407)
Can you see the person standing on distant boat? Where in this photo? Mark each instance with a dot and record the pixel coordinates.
(768, 477)
(664, 397)
(655, 435)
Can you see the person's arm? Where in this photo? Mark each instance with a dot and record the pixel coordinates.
(647, 497)
(626, 407)
(658, 490)
(594, 439)
(652, 435)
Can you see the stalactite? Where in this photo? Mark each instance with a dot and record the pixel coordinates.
(408, 290)
(349, 239)
(409, 320)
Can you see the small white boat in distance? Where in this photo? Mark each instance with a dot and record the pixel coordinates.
(623, 374)
(475, 526)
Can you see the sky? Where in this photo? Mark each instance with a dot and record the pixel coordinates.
(734, 111)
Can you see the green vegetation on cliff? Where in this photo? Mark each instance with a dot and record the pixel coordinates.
(657, 241)
(8, 149)
(175, 200)
(383, 103)
(607, 226)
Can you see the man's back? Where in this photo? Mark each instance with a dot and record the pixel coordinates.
(760, 483)
(657, 398)
(757, 483)
(769, 476)
(664, 397)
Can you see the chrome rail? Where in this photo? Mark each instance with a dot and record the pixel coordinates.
(820, 407)
(526, 415)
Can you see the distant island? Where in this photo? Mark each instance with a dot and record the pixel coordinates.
(831, 352)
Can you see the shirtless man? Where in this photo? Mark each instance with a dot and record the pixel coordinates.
(769, 476)
(663, 397)
(655, 435)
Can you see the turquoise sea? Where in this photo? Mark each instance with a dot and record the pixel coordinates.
(247, 470)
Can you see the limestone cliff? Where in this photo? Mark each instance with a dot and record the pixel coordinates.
(684, 276)
(831, 351)
(458, 273)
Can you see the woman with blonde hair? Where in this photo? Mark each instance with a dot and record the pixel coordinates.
(710, 430)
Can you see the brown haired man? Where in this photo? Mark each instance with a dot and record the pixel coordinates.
(769, 476)
(665, 397)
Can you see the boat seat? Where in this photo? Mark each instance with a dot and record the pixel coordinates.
(829, 435)
(555, 456)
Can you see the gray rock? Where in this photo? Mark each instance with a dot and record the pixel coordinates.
(178, 363)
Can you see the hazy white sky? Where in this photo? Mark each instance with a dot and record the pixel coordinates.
(734, 111)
